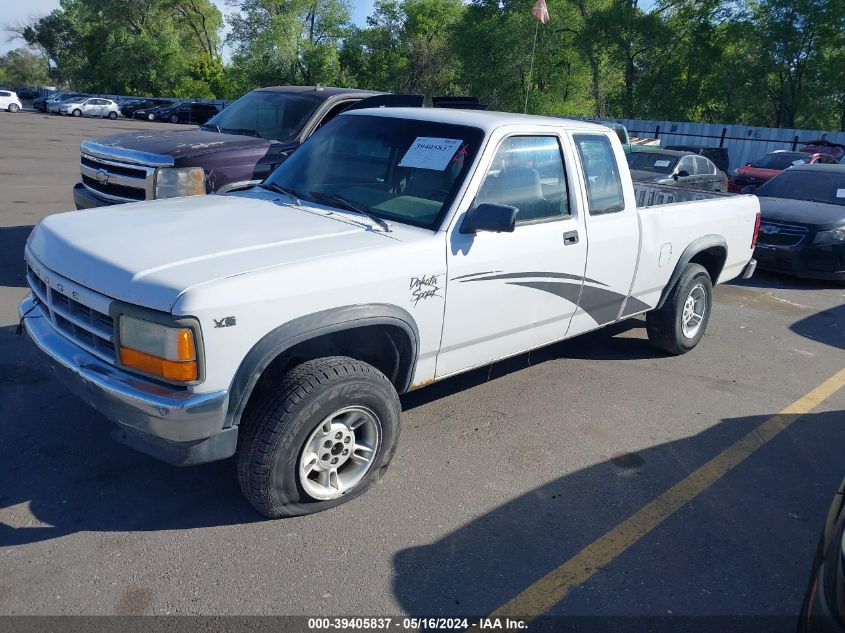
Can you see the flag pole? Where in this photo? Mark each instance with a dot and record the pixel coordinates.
(531, 67)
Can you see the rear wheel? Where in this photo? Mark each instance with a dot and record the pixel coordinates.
(151, 117)
(14, 107)
(680, 323)
(322, 438)
(112, 115)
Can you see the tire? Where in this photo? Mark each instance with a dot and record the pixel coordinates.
(151, 117)
(279, 431)
(112, 115)
(14, 107)
(668, 329)
(77, 112)
(174, 118)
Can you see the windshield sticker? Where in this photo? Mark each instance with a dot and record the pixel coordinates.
(427, 152)
(840, 193)
(800, 161)
(661, 163)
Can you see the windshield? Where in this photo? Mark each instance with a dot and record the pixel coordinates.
(652, 161)
(781, 160)
(273, 115)
(805, 184)
(398, 169)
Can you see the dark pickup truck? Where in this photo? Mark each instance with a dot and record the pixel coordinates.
(237, 148)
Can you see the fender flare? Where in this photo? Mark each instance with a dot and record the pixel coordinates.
(309, 326)
(695, 247)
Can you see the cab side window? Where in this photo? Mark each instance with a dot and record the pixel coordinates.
(528, 173)
(604, 185)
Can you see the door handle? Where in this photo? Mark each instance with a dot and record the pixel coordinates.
(570, 237)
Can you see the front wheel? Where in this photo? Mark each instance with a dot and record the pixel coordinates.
(151, 117)
(322, 438)
(680, 323)
(174, 118)
(14, 107)
(77, 112)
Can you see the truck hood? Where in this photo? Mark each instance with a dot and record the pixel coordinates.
(181, 143)
(149, 253)
(816, 215)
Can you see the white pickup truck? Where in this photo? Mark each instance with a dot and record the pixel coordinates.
(397, 247)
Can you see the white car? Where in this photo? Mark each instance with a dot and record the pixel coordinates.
(9, 101)
(91, 106)
(395, 248)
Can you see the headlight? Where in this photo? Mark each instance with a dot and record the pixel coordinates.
(158, 350)
(174, 182)
(830, 237)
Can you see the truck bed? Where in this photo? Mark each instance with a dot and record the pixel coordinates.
(649, 195)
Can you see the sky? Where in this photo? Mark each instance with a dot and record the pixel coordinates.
(14, 11)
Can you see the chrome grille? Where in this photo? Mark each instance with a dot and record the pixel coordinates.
(780, 233)
(89, 328)
(120, 174)
(113, 181)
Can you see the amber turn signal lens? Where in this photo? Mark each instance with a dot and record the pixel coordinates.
(180, 371)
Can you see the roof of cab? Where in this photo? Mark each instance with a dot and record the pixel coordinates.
(484, 119)
(319, 91)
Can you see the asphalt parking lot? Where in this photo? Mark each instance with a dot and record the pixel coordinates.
(503, 476)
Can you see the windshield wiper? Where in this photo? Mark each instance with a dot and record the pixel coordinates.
(819, 201)
(210, 127)
(290, 193)
(240, 130)
(350, 205)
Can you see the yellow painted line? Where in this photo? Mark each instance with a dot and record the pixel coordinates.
(554, 586)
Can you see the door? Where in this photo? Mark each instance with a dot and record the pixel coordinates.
(511, 292)
(5, 99)
(613, 225)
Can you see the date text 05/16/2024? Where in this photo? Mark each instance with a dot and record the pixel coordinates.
(415, 624)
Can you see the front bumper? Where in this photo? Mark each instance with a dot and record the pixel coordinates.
(83, 198)
(175, 425)
(811, 261)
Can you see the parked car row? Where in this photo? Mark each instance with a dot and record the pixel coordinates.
(151, 109)
(184, 112)
(9, 101)
(752, 175)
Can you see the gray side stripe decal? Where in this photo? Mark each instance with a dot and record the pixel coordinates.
(602, 305)
(486, 272)
(634, 305)
(577, 278)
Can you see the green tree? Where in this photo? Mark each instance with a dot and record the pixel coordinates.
(287, 41)
(132, 46)
(22, 67)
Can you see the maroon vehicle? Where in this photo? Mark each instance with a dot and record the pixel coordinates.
(752, 175)
(823, 146)
(237, 148)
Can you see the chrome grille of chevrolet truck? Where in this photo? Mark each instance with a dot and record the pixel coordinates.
(119, 174)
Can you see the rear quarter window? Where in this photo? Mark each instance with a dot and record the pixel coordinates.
(604, 184)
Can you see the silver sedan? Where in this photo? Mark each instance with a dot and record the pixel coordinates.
(91, 106)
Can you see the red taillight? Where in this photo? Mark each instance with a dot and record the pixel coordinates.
(756, 231)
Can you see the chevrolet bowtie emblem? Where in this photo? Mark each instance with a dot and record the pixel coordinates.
(102, 176)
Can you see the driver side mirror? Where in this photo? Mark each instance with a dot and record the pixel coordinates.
(681, 174)
(495, 218)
